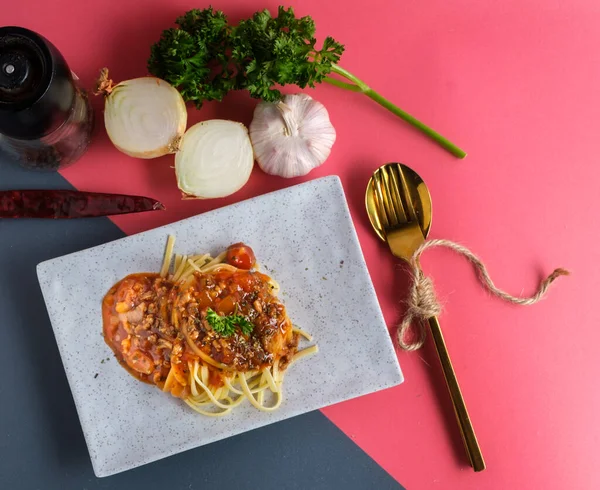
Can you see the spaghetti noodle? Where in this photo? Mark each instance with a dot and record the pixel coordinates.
(210, 331)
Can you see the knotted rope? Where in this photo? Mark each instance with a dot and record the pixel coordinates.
(422, 302)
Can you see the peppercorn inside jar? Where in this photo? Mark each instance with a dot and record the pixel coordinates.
(46, 119)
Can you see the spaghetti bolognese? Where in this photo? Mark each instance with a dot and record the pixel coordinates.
(210, 331)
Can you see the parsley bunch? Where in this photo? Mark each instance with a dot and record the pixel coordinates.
(226, 325)
(205, 57)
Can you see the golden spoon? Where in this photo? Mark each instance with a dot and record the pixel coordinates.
(399, 207)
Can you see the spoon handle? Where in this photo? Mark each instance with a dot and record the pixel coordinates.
(460, 409)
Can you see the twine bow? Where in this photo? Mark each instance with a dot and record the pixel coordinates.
(422, 302)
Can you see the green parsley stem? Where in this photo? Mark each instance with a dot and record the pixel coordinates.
(344, 85)
(358, 85)
(346, 74)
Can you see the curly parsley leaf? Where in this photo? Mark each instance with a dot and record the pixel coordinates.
(226, 325)
(280, 50)
(194, 57)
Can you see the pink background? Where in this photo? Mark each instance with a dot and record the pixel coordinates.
(516, 84)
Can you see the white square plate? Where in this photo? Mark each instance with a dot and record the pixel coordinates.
(303, 236)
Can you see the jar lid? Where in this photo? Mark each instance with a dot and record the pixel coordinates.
(36, 89)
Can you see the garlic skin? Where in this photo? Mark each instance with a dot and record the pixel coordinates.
(292, 136)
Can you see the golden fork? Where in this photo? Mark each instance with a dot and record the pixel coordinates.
(399, 207)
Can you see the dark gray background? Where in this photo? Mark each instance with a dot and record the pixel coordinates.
(41, 443)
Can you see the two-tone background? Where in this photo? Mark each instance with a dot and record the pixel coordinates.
(515, 83)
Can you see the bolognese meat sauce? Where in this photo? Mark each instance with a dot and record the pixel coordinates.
(155, 326)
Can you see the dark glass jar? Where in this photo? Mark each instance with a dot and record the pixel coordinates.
(46, 119)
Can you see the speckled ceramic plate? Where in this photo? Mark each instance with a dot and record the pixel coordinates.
(304, 237)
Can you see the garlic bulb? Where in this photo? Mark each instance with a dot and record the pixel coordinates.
(291, 137)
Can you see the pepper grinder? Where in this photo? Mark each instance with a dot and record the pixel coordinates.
(46, 119)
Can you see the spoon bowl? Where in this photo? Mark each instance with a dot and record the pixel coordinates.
(415, 189)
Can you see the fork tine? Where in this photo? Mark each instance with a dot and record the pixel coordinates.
(394, 187)
(379, 199)
(406, 194)
(389, 204)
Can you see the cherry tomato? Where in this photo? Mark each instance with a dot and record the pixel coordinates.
(241, 256)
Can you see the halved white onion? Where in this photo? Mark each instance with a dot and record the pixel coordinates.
(215, 159)
(144, 117)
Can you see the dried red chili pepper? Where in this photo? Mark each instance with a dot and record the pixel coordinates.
(71, 204)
